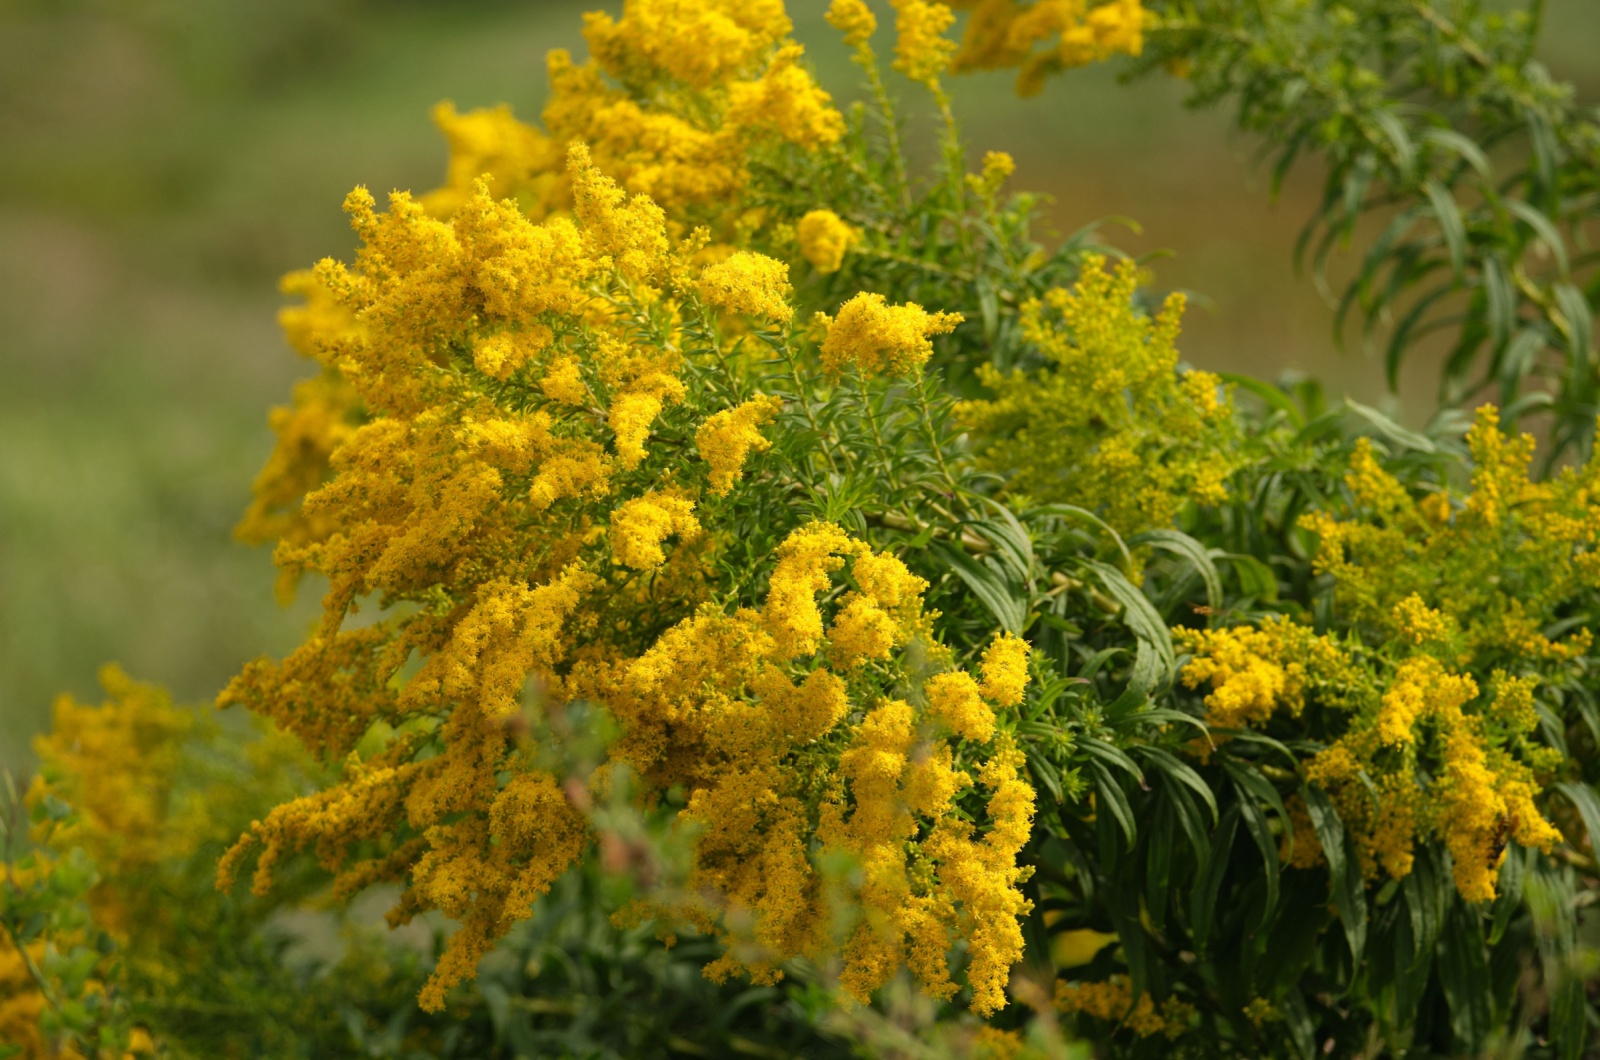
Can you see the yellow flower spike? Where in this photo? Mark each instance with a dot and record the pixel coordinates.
(727, 438)
(1418, 623)
(954, 699)
(1112, 1001)
(492, 143)
(639, 526)
(824, 239)
(750, 284)
(1005, 670)
(997, 169)
(501, 354)
(854, 19)
(1110, 406)
(632, 232)
(805, 560)
(697, 42)
(630, 417)
(785, 100)
(563, 381)
(1372, 485)
(877, 337)
(922, 52)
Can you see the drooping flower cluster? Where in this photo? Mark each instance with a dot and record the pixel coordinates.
(876, 337)
(674, 102)
(1047, 36)
(1449, 602)
(518, 486)
(1112, 1001)
(1109, 423)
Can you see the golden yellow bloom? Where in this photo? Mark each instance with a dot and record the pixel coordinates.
(749, 284)
(785, 101)
(1048, 36)
(954, 699)
(697, 42)
(563, 381)
(1110, 424)
(997, 169)
(1257, 670)
(854, 19)
(922, 52)
(728, 437)
(639, 526)
(1005, 670)
(518, 160)
(1112, 1001)
(1372, 485)
(877, 337)
(1418, 622)
(824, 239)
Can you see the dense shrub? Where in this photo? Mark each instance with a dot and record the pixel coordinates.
(774, 602)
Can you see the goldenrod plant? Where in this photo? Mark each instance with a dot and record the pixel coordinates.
(774, 601)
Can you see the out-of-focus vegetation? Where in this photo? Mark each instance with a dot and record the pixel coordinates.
(162, 164)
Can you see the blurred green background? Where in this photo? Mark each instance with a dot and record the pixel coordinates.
(162, 163)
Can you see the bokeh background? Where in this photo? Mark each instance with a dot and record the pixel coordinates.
(163, 162)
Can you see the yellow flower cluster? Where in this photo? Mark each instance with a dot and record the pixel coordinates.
(1484, 574)
(877, 337)
(854, 19)
(922, 52)
(323, 413)
(1448, 600)
(735, 710)
(748, 284)
(1256, 671)
(825, 239)
(727, 438)
(1112, 1001)
(1109, 424)
(516, 482)
(1047, 36)
(676, 100)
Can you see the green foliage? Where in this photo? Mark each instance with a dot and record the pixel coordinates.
(1436, 121)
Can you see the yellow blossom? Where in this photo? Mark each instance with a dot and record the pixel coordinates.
(854, 19)
(922, 52)
(824, 239)
(749, 284)
(1005, 670)
(878, 337)
(954, 699)
(639, 526)
(1110, 423)
(728, 437)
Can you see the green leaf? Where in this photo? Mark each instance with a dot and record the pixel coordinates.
(1544, 229)
(1181, 544)
(1154, 661)
(1255, 822)
(1448, 214)
(1006, 605)
(1463, 971)
(1389, 430)
(1461, 145)
(1256, 579)
(1344, 869)
(1274, 397)
(1579, 318)
(1168, 765)
(1114, 800)
(1584, 800)
(1203, 904)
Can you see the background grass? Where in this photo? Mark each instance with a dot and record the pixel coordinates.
(163, 162)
